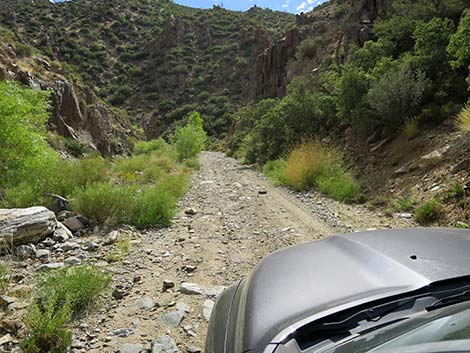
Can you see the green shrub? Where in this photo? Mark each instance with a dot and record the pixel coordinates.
(403, 204)
(127, 204)
(145, 147)
(76, 287)
(276, 171)
(189, 140)
(48, 328)
(102, 202)
(308, 49)
(340, 185)
(313, 165)
(396, 97)
(429, 212)
(23, 146)
(76, 148)
(155, 206)
(62, 295)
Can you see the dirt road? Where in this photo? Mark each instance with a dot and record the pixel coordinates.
(228, 221)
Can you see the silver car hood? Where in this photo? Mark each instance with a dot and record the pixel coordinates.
(301, 284)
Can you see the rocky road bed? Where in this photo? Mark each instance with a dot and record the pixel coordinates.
(165, 288)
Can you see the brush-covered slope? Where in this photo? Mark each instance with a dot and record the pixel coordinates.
(153, 58)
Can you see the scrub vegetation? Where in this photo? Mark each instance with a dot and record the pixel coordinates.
(140, 190)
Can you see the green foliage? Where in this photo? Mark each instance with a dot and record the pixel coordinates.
(76, 287)
(313, 165)
(351, 89)
(308, 49)
(276, 171)
(142, 206)
(396, 97)
(23, 115)
(189, 140)
(429, 212)
(431, 41)
(403, 204)
(152, 146)
(62, 295)
(48, 328)
(458, 46)
(340, 185)
(76, 148)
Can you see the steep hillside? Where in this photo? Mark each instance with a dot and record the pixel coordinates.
(386, 83)
(153, 58)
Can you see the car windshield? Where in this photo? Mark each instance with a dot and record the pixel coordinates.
(443, 330)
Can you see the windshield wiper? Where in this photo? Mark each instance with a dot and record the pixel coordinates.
(450, 300)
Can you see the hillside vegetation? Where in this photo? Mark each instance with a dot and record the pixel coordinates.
(157, 60)
(414, 71)
(141, 190)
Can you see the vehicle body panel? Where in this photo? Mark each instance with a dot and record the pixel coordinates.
(301, 284)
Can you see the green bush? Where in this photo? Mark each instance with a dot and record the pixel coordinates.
(403, 204)
(128, 204)
(276, 171)
(189, 140)
(396, 97)
(23, 147)
(62, 295)
(48, 328)
(75, 287)
(339, 185)
(308, 49)
(313, 165)
(429, 212)
(145, 147)
(76, 148)
(102, 202)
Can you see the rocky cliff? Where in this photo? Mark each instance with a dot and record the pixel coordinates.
(336, 24)
(76, 112)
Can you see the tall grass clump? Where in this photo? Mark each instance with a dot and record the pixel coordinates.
(141, 206)
(463, 119)
(189, 140)
(312, 164)
(62, 296)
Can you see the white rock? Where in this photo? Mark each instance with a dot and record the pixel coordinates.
(25, 225)
(207, 309)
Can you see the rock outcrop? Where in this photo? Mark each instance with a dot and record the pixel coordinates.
(355, 28)
(272, 64)
(76, 112)
(25, 225)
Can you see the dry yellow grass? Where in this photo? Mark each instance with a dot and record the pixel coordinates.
(463, 119)
(307, 161)
(410, 129)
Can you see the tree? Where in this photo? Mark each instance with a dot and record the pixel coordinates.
(23, 116)
(431, 41)
(458, 46)
(351, 89)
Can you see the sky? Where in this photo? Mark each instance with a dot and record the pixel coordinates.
(294, 6)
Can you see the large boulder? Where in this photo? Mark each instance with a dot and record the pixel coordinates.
(25, 225)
